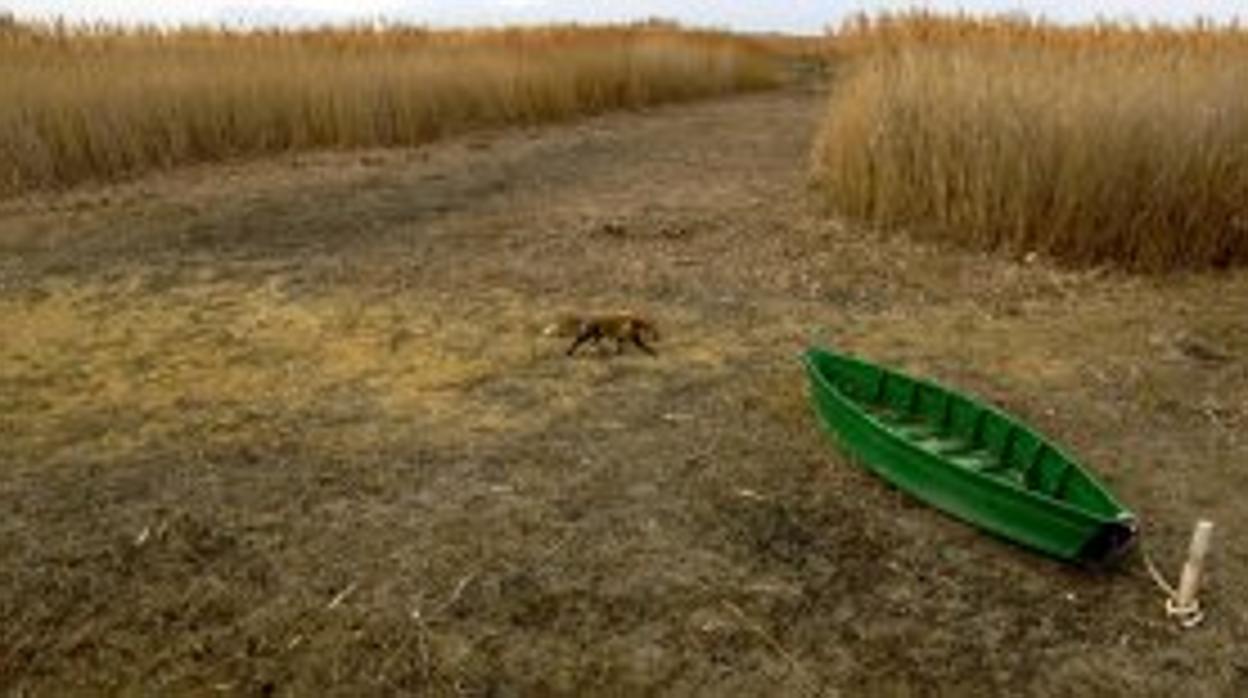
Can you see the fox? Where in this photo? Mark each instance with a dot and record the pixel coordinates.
(622, 327)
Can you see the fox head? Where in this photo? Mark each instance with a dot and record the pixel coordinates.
(565, 326)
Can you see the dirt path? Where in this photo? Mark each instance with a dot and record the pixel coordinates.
(288, 428)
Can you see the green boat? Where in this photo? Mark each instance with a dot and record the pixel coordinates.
(968, 459)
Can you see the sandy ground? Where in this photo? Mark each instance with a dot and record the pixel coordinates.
(289, 428)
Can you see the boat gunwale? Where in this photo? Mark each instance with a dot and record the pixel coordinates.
(1124, 515)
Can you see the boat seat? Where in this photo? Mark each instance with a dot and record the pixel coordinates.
(978, 459)
(944, 445)
(881, 412)
(892, 416)
(917, 431)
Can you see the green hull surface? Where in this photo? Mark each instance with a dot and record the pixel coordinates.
(968, 459)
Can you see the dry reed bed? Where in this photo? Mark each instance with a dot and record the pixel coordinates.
(1101, 145)
(96, 103)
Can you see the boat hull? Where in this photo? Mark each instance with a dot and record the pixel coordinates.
(967, 459)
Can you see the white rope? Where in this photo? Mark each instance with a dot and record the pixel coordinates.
(1189, 615)
(1158, 578)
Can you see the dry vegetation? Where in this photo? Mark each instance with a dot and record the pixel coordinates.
(287, 427)
(94, 103)
(1106, 144)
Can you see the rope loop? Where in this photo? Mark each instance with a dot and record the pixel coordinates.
(1190, 615)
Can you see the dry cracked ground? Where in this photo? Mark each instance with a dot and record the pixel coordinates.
(289, 428)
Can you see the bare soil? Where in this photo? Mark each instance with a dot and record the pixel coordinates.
(290, 428)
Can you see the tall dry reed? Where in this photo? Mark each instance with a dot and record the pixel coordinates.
(97, 102)
(1101, 145)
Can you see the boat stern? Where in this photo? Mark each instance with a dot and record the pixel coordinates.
(1111, 541)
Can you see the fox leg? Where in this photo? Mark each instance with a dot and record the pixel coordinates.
(642, 345)
(588, 334)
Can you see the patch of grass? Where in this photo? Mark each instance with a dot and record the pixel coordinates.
(1096, 145)
(97, 103)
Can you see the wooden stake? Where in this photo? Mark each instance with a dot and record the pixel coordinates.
(1184, 605)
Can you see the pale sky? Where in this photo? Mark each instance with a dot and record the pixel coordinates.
(804, 16)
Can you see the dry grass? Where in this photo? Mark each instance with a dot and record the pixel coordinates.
(292, 431)
(95, 103)
(1097, 145)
